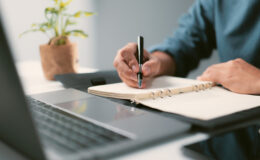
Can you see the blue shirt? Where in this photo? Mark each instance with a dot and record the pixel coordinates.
(230, 26)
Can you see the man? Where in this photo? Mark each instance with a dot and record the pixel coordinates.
(230, 26)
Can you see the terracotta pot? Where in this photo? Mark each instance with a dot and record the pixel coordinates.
(59, 59)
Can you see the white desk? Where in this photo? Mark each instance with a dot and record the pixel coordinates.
(34, 82)
(33, 79)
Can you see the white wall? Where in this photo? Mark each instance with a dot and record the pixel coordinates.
(121, 21)
(20, 14)
(116, 23)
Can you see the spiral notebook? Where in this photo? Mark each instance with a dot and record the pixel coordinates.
(186, 97)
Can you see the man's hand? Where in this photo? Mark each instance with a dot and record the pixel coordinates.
(236, 75)
(127, 66)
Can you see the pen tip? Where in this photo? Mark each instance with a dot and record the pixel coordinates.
(140, 84)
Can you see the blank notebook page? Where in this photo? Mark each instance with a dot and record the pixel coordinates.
(205, 105)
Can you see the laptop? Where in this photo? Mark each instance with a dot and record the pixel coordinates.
(70, 124)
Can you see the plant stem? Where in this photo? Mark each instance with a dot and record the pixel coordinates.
(62, 25)
(57, 25)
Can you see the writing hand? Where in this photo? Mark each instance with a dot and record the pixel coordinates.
(127, 66)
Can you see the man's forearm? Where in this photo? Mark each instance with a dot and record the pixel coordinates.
(167, 63)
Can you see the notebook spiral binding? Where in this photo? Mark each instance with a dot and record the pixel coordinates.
(174, 91)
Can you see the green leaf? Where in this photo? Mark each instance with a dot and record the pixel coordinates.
(69, 22)
(79, 13)
(56, 1)
(65, 4)
(45, 25)
(77, 33)
(88, 13)
(51, 10)
(32, 30)
(34, 25)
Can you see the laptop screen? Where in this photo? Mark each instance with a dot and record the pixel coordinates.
(16, 126)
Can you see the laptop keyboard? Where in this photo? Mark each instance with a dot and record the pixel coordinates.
(68, 131)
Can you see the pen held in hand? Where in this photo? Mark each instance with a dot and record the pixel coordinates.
(140, 45)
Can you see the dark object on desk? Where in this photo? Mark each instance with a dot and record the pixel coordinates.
(239, 144)
(84, 80)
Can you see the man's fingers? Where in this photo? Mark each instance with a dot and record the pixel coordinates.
(214, 73)
(128, 54)
(134, 65)
(126, 72)
(150, 68)
(146, 56)
(129, 82)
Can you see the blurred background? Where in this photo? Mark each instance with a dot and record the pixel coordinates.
(115, 23)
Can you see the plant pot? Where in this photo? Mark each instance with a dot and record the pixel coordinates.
(59, 59)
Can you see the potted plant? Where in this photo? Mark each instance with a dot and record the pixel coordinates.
(59, 55)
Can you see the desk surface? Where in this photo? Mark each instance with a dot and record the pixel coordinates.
(34, 82)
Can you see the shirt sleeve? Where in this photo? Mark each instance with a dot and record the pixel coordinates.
(193, 40)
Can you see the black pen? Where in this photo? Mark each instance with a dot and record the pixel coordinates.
(140, 43)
